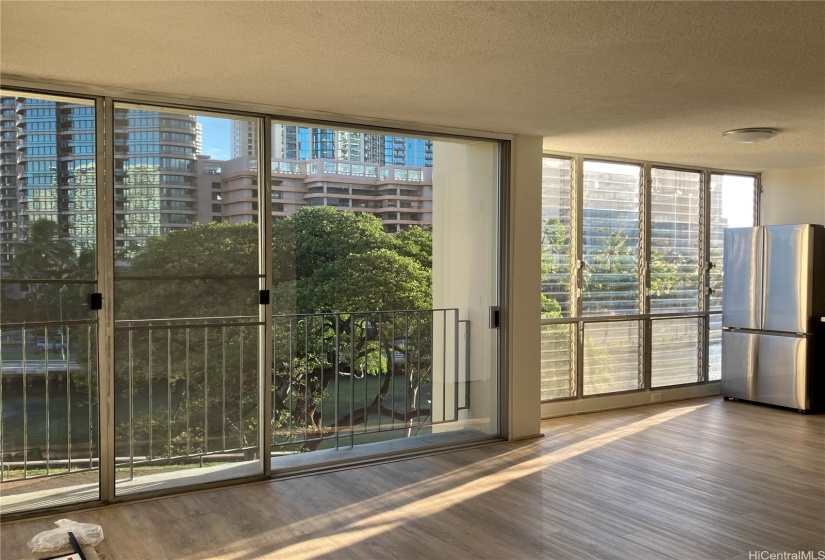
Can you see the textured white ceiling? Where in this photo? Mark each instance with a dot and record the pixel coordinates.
(658, 81)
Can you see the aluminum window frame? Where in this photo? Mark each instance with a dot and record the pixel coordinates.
(645, 317)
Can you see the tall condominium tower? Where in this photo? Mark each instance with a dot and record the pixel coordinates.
(304, 143)
(155, 176)
(414, 152)
(244, 139)
(48, 170)
(8, 178)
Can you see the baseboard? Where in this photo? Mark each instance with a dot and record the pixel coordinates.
(627, 400)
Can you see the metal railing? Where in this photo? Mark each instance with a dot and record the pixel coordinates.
(48, 400)
(186, 389)
(350, 378)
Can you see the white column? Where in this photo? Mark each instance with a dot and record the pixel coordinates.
(522, 315)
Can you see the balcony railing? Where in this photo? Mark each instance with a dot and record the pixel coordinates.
(344, 378)
(186, 390)
(48, 400)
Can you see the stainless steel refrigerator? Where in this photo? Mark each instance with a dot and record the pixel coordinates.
(773, 301)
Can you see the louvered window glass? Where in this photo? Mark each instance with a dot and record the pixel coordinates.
(610, 243)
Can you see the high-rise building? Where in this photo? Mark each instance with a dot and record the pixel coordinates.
(198, 138)
(156, 189)
(304, 143)
(400, 150)
(8, 179)
(48, 170)
(399, 196)
(210, 196)
(244, 138)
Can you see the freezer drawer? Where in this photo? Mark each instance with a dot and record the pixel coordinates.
(767, 369)
(739, 365)
(742, 289)
(782, 371)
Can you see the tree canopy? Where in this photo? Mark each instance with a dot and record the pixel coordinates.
(324, 261)
(43, 255)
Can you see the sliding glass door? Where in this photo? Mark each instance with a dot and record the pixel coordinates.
(384, 270)
(49, 440)
(186, 383)
(249, 296)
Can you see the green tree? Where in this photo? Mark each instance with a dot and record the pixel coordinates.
(43, 255)
(555, 267)
(325, 261)
(417, 243)
(345, 263)
(667, 272)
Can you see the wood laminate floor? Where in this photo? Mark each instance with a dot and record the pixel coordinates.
(692, 480)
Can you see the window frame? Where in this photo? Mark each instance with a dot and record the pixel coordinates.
(645, 316)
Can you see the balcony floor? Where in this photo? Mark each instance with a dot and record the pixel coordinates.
(695, 479)
(44, 492)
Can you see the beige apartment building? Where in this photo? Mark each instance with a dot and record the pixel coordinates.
(401, 196)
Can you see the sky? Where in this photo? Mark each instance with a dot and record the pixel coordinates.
(217, 137)
(737, 200)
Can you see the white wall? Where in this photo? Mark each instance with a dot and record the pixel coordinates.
(522, 318)
(793, 196)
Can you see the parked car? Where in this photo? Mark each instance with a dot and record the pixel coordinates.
(398, 355)
(43, 344)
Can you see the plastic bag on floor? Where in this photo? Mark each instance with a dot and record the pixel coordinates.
(55, 539)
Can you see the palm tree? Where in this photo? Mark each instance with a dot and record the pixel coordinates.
(43, 255)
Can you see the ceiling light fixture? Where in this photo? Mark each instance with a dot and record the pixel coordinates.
(750, 135)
